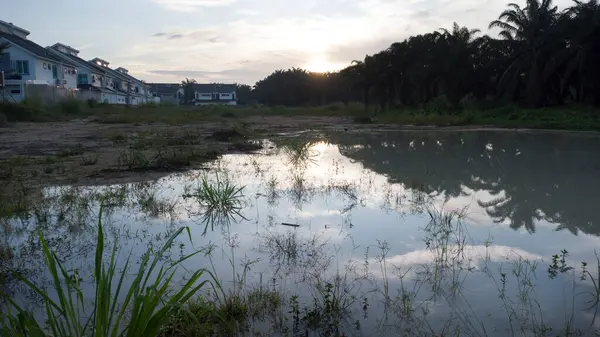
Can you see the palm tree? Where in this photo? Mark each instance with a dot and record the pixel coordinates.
(458, 70)
(530, 32)
(581, 27)
(188, 89)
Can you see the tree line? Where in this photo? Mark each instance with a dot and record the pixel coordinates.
(542, 56)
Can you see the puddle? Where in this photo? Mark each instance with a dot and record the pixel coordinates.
(415, 233)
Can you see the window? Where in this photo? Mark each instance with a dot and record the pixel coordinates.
(82, 79)
(22, 67)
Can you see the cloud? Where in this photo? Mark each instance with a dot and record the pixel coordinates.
(270, 34)
(191, 5)
(240, 71)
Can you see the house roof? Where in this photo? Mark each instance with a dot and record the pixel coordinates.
(31, 47)
(131, 78)
(62, 57)
(111, 72)
(214, 87)
(94, 88)
(164, 88)
(83, 62)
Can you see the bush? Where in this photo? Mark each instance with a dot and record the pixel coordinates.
(70, 106)
(439, 104)
(20, 112)
(92, 103)
(3, 120)
(363, 120)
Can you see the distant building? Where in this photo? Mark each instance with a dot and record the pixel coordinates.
(25, 60)
(90, 77)
(136, 91)
(215, 93)
(170, 93)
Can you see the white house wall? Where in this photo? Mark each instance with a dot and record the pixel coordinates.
(21, 55)
(71, 78)
(46, 74)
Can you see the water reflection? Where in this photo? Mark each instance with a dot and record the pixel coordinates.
(407, 233)
(533, 177)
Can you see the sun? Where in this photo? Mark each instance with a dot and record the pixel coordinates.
(321, 65)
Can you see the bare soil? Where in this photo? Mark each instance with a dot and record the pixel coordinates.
(84, 152)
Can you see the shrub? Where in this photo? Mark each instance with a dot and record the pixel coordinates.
(26, 111)
(439, 104)
(363, 120)
(92, 103)
(70, 106)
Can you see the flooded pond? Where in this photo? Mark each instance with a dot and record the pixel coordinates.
(477, 233)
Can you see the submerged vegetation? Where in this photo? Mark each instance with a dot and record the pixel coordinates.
(257, 275)
(138, 307)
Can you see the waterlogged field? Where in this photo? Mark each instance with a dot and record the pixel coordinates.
(426, 233)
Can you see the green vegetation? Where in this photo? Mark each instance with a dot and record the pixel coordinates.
(568, 117)
(220, 203)
(542, 57)
(141, 308)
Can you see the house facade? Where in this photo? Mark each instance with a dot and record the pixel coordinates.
(138, 90)
(215, 93)
(135, 91)
(91, 79)
(27, 61)
(168, 93)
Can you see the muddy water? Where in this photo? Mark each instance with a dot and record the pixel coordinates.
(415, 232)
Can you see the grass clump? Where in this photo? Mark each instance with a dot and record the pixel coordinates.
(220, 202)
(88, 160)
(142, 308)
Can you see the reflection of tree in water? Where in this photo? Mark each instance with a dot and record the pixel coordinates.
(533, 176)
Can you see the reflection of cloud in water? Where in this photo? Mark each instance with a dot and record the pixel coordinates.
(475, 255)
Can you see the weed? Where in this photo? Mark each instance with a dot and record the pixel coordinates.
(300, 153)
(173, 159)
(142, 307)
(559, 264)
(71, 151)
(586, 274)
(133, 159)
(118, 138)
(363, 120)
(220, 202)
(88, 160)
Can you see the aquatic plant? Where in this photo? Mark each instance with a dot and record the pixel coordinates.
(141, 308)
(220, 202)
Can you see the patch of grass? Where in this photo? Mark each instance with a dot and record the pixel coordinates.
(71, 151)
(363, 120)
(220, 201)
(133, 159)
(172, 159)
(299, 152)
(228, 135)
(118, 138)
(88, 160)
(141, 308)
(3, 120)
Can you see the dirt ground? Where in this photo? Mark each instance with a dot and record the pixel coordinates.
(85, 152)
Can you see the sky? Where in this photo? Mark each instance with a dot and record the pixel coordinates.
(239, 41)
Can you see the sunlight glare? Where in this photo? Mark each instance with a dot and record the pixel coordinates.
(320, 65)
(319, 147)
